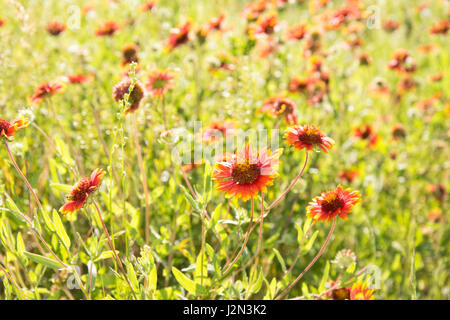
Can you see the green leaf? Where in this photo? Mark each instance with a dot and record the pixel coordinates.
(187, 283)
(310, 243)
(63, 150)
(280, 259)
(324, 277)
(20, 244)
(47, 262)
(201, 269)
(60, 230)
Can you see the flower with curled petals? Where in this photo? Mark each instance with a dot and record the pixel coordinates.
(179, 36)
(308, 137)
(7, 129)
(246, 173)
(281, 106)
(45, 90)
(81, 192)
(331, 204)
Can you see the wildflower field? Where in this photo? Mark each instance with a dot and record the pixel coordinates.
(224, 149)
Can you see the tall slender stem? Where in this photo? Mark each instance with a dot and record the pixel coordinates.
(281, 196)
(258, 250)
(282, 294)
(12, 281)
(230, 265)
(24, 179)
(111, 246)
(163, 103)
(144, 179)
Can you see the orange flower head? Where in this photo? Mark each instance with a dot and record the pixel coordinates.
(246, 173)
(223, 128)
(360, 291)
(402, 62)
(7, 129)
(108, 29)
(129, 54)
(441, 27)
(81, 192)
(330, 204)
(136, 95)
(254, 9)
(179, 36)
(349, 175)
(308, 137)
(281, 106)
(216, 23)
(266, 24)
(55, 28)
(148, 6)
(390, 25)
(366, 132)
(296, 32)
(78, 78)
(45, 90)
(2, 22)
(159, 82)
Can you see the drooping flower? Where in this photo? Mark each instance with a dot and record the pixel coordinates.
(349, 175)
(281, 106)
(216, 23)
(81, 192)
(217, 130)
(55, 28)
(179, 35)
(136, 95)
(330, 204)
(265, 24)
(252, 10)
(360, 291)
(402, 61)
(308, 137)
(159, 82)
(45, 90)
(129, 54)
(7, 129)
(246, 173)
(441, 27)
(296, 32)
(366, 132)
(390, 25)
(148, 6)
(78, 78)
(108, 29)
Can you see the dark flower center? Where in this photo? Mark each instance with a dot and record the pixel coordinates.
(341, 294)
(245, 173)
(4, 125)
(310, 137)
(332, 203)
(159, 83)
(80, 191)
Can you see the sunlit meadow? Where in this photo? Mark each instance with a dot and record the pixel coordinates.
(224, 149)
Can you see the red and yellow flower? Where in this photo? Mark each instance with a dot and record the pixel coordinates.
(159, 82)
(81, 192)
(308, 137)
(45, 90)
(360, 291)
(366, 132)
(7, 129)
(108, 29)
(217, 130)
(55, 28)
(281, 106)
(179, 35)
(246, 173)
(330, 204)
